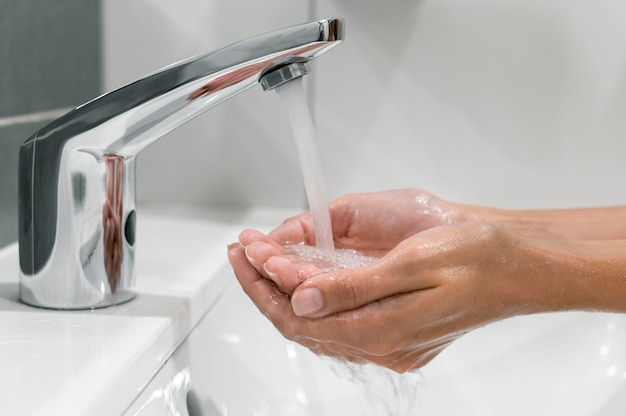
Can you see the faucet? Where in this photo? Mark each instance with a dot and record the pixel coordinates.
(76, 204)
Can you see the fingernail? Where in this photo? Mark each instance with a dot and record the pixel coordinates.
(273, 276)
(250, 259)
(306, 302)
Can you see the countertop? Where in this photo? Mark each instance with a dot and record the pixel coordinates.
(96, 362)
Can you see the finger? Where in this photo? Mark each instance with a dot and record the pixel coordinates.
(344, 336)
(351, 335)
(348, 289)
(327, 337)
(355, 340)
(415, 356)
(300, 229)
(287, 272)
(399, 361)
(277, 308)
(294, 230)
(249, 236)
(257, 254)
(413, 360)
(336, 351)
(265, 295)
(383, 333)
(258, 248)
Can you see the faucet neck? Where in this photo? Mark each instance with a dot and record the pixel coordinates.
(76, 175)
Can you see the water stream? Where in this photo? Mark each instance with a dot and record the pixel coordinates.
(386, 392)
(294, 99)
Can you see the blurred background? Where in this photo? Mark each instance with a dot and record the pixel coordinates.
(514, 103)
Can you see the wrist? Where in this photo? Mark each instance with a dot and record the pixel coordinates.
(530, 224)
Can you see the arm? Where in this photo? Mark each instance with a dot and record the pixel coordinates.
(402, 311)
(603, 223)
(449, 275)
(409, 211)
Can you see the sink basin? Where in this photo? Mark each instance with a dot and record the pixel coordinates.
(97, 362)
(565, 364)
(557, 364)
(192, 343)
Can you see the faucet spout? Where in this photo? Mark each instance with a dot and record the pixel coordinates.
(77, 174)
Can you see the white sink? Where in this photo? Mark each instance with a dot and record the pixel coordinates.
(98, 362)
(236, 363)
(559, 364)
(193, 344)
(563, 364)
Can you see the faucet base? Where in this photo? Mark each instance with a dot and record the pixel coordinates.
(117, 298)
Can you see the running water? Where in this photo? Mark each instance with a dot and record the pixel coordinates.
(386, 392)
(294, 99)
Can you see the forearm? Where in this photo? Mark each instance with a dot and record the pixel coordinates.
(572, 275)
(560, 224)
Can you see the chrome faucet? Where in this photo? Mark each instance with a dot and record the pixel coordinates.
(77, 210)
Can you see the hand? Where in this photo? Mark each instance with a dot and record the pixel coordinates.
(374, 221)
(371, 223)
(405, 309)
(433, 283)
(438, 277)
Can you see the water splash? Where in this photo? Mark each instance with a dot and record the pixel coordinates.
(386, 392)
(329, 260)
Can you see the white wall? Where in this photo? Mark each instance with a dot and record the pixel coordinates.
(517, 103)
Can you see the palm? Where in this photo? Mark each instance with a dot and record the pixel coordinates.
(374, 222)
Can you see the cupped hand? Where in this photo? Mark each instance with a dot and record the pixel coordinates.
(374, 222)
(371, 223)
(427, 290)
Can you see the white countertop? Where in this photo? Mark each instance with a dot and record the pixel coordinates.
(96, 362)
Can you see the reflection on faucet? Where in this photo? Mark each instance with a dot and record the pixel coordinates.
(77, 175)
(112, 219)
(241, 74)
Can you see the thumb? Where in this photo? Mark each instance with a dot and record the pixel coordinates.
(349, 289)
